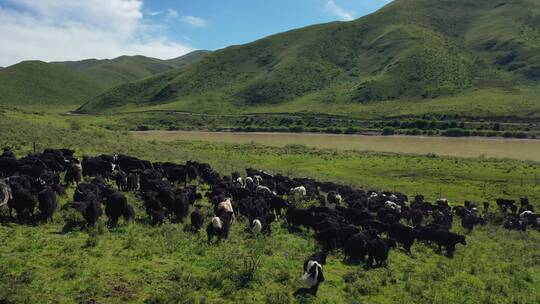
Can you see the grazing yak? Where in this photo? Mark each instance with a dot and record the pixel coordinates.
(219, 226)
(7, 153)
(47, 203)
(197, 218)
(116, 206)
(90, 208)
(261, 224)
(132, 183)
(403, 234)
(120, 178)
(299, 217)
(356, 247)
(226, 207)
(97, 166)
(73, 174)
(313, 271)
(378, 250)
(5, 194)
(23, 202)
(298, 192)
(334, 198)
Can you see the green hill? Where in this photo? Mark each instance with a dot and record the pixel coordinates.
(413, 51)
(39, 85)
(188, 58)
(66, 85)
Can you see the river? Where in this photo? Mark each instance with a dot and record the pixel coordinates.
(522, 149)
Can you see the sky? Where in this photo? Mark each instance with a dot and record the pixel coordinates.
(58, 30)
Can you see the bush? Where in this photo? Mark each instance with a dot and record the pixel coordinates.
(456, 132)
(414, 132)
(520, 135)
(509, 134)
(296, 129)
(333, 130)
(142, 128)
(351, 130)
(421, 124)
(388, 131)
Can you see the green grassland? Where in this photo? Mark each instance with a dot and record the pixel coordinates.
(61, 263)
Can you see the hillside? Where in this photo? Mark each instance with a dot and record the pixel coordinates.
(411, 50)
(38, 84)
(188, 58)
(66, 85)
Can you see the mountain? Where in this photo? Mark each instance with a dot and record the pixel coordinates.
(188, 58)
(69, 84)
(424, 51)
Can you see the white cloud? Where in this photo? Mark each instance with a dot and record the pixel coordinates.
(194, 21)
(56, 30)
(338, 11)
(171, 14)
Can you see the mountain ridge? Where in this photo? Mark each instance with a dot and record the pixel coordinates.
(410, 49)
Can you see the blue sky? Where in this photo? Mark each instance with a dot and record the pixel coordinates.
(52, 30)
(239, 21)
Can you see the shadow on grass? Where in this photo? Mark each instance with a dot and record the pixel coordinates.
(71, 226)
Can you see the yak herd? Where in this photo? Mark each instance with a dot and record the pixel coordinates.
(364, 224)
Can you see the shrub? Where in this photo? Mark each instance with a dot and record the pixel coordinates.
(421, 124)
(142, 128)
(520, 135)
(388, 131)
(351, 130)
(456, 132)
(414, 132)
(296, 129)
(333, 130)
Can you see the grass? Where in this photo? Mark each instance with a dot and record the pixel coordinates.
(142, 264)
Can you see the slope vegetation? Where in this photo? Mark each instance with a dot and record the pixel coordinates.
(40, 85)
(410, 50)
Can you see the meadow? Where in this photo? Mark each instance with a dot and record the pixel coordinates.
(63, 263)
